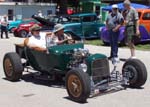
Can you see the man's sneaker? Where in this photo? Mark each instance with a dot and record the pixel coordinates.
(115, 61)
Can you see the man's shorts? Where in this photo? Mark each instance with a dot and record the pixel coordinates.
(130, 34)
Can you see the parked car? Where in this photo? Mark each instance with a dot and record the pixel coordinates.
(83, 25)
(83, 72)
(23, 29)
(15, 24)
(144, 21)
(46, 24)
(80, 26)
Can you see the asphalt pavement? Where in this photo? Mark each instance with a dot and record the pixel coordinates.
(31, 92)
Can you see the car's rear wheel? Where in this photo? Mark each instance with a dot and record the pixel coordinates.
(135, 71)
(12, 66)
(78, 85)
(23, 33)
(15, 33)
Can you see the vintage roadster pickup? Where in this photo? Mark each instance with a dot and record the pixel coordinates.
(83, 72)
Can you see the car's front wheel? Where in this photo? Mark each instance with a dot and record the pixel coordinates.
(12, 66)
(78, 85)
(135, 71)
(23, 33)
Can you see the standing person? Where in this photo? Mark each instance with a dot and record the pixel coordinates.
(4, 26)
(40, 14)
(131, 26)
(57, 10)
(113, 23)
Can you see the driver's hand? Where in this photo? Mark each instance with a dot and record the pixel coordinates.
(71, 41)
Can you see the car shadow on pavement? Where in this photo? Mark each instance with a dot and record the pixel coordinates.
(68, 98)
(123, 59)
(42, 80)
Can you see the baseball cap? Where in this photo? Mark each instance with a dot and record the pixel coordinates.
(114, 6)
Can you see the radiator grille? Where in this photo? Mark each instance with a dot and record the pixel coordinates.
(100, 69)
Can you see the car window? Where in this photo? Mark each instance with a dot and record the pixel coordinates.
(53, 19)
(75, 19)
(64, 19)
(89, 18)
(58, 19)
(146, 16)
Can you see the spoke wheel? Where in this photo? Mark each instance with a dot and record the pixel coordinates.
(135, 71)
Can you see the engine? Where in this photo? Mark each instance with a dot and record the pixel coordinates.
(78, 59)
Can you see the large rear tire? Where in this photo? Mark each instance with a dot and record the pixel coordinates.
(12, 66)
(137, 73)
(78, 85)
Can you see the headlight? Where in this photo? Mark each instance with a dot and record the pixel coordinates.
(83, 67)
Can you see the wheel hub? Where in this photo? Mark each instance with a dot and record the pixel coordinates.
(132, 74)
(8, 67)
(74, 85)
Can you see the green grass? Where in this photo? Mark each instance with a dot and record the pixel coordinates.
(143, 46)
(96, 42)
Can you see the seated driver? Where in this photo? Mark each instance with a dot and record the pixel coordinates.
(37, 40)
(59, 36)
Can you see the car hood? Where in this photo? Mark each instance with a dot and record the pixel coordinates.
(15, 22)
(43, 21)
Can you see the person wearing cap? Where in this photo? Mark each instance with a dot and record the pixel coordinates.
(4, 26)
(131, 26)
(114, 21)
(37, 40)
(40, 14)
(59, 36)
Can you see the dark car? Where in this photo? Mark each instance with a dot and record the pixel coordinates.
(80, 26)
(46, 24)
(83, 25)
(83, 72)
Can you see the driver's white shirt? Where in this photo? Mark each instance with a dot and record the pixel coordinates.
(37, 41)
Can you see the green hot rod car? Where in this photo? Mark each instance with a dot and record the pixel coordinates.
(83, 72)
